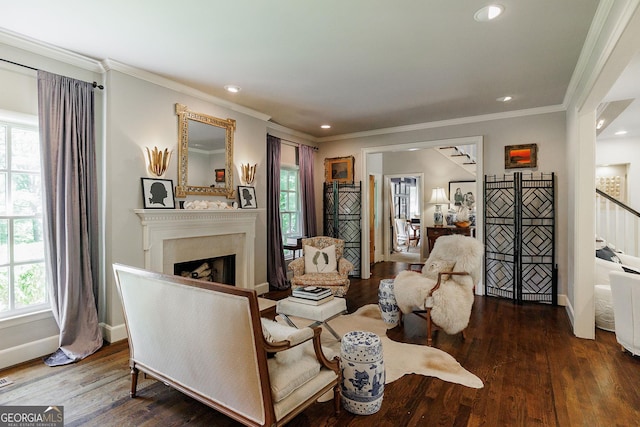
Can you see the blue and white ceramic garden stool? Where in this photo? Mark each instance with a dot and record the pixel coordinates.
(363, 374)
(387, 303)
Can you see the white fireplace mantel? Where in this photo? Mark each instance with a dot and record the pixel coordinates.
(160, 226)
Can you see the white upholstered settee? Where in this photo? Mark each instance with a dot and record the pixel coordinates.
(208, 341)
(602, 289)
(625, 291)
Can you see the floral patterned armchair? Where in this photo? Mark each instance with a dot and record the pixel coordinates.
(337, 281)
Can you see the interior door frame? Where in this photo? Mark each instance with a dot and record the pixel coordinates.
(386, 225)
(364, 178)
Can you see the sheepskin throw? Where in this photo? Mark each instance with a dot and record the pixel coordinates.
(451, 303)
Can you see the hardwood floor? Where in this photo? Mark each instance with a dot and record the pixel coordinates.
(534, 370)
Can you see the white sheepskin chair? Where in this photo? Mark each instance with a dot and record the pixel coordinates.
(443, 299)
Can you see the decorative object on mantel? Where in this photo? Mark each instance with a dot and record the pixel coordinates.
(438, 197)
(247, 196)
(248, 173)
(157, 193)
(209, 204)
(521, 156)
(158, 161)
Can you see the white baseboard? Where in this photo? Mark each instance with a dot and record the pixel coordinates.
(29, 351)
(262, 288)
(113, 333)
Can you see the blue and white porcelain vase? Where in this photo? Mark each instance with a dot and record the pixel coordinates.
(387, 303)
(362, 372)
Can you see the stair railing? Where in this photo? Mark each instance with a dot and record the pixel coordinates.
(618, 224)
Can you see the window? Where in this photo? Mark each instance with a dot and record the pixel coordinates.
(289, 204)
(22, 268)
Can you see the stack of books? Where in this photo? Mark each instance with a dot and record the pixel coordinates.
(311, 295)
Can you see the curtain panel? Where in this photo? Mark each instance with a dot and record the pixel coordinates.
(70, 214)
(307, 193)
(276, 273)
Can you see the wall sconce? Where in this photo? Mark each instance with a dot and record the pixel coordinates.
(158, 161)
(438, 197)
(248, 173)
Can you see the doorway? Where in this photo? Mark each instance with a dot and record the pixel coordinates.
(405, 197)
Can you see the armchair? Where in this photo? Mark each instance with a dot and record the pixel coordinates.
(443, 293)
(625, 292)
(208, 341)
(335, 270)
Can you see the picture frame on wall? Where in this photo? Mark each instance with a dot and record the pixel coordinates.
(462, 194)
(521, 156)
(157, 193)
(339, 169)
(247, 197)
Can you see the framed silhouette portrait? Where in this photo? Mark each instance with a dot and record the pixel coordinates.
(247, 197)
(157, 193)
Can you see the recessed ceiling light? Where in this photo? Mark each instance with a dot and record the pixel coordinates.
(326, 126)
(621, 132)
(504, 98)
(232, 88)
(600, 124)
(488, 13)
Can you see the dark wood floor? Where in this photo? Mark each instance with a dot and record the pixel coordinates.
(534, 370)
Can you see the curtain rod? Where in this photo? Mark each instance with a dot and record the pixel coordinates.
(95, 84)
(293, 143)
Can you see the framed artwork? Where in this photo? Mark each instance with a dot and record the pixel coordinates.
(220, 175)
(521, 156)
(157, 193)
(339, 169)
(462, 193)
(247, 197)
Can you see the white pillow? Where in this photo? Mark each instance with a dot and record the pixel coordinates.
(320, 260)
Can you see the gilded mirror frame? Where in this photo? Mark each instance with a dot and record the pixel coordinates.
(183, 188)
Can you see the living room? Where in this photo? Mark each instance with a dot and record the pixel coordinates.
(137, 110)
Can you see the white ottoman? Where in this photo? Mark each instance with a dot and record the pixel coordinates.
(363, 373)
(319, 313)
(604, 308)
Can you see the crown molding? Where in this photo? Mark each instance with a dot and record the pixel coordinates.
(445, 123)
(293, 133)
(50, 51)
(110, 64)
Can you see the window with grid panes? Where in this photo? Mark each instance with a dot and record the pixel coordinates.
(289, 205)
(22, 268)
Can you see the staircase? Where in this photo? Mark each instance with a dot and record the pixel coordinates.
(618, 224)
(463, 155)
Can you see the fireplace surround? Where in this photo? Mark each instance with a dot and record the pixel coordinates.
(179, 235)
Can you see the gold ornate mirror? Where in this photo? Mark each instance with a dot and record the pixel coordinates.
(205, 154)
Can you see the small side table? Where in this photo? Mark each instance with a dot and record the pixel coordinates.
(321, 314)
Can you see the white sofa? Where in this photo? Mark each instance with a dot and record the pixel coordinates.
(602, 289)
(208, 341)
(625, 290)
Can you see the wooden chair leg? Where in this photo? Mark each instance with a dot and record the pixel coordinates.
(134, 381)
(429, 328)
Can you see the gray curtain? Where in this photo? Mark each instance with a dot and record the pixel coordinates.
(70, 215)
(307, 189)
(275, 252)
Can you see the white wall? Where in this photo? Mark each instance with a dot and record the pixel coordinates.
(623, 151)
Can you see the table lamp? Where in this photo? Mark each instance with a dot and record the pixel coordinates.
(438, 197)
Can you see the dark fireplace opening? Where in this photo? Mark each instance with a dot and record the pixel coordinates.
(220, 269)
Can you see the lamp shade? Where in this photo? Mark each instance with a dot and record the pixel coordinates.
(438, 196)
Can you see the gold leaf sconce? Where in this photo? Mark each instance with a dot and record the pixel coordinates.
(158, 161)
(248, 173)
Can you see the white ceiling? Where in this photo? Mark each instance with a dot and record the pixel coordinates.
(358, 65)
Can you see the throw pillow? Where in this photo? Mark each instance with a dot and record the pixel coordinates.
(607, 254)
(320, 260)
(630, 270)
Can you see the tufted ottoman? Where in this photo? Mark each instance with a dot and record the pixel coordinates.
(363, 376)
